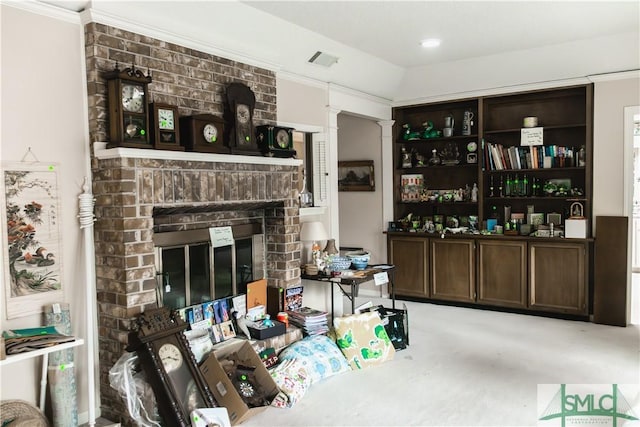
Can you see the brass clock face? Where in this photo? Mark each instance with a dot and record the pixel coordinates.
(133, 98)
(210, 133)
(170, 356)
(282, 138)
(166, 120)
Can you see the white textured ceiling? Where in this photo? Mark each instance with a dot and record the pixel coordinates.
(392, 30)
(377, 42)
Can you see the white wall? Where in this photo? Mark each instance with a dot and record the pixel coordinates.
(43, 107)
(610, 98)
(301, 101)
(360, 211)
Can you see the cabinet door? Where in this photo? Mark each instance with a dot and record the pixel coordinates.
(410, 257)
(502, 273)
(557, 277)
(453, 269)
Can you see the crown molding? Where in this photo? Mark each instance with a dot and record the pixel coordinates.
(91, 15)
(44, 9)
(494, 91)
(621, 75)
(358, 94)
(297, 78)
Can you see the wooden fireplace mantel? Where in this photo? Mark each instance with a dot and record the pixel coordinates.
(101, 152)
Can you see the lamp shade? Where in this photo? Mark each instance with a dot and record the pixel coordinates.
(313, 231)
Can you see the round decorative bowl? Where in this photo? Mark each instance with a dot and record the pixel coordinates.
(359, 259)
(338, 263)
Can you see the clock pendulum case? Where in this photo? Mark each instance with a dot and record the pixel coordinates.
(128, 108)
(169, 365)
(275, 141)
(239, 108)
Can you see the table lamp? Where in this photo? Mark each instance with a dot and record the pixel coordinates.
(313, 231)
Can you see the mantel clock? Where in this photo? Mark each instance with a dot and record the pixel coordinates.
(241, 102)
(169, 365)
(165, 127)
(128, 108)
(203, 133)
(275, 141)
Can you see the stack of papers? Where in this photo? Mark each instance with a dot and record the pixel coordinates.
(310, 320)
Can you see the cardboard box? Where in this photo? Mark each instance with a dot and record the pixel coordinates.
(221, 386)
(279, 342)
(259, 332)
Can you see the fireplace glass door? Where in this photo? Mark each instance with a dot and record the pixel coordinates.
(193, 272)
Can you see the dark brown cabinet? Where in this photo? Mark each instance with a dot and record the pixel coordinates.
(502, 273)
(410, 255)
(557, 277)
(453, 267)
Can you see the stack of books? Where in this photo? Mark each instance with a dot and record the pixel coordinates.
(310, 320)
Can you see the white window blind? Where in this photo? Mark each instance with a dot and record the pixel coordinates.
(320, 173)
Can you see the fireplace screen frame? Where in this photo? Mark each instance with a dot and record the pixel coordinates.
(188, 239)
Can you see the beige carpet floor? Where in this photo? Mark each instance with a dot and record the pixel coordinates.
(469, 367)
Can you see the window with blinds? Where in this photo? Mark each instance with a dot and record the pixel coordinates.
(311, 149)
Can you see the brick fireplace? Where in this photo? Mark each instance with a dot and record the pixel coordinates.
(140, 192)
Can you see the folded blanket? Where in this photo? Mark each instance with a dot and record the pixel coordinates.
(23, 340)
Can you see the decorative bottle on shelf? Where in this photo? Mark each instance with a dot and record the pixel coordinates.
(507, 188)
(435, 159)
(491, 186)
(526, 191)
(306, 198)
(516, 186)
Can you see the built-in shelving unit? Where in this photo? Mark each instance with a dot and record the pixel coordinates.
(548, 173)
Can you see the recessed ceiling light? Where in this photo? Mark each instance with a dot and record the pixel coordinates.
(430, 43)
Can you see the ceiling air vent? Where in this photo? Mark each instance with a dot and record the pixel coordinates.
(324, 59)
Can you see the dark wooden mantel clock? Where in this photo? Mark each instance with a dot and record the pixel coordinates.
(169, 365)
(128, 108)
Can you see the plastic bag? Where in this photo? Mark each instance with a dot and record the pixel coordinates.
(133, 389)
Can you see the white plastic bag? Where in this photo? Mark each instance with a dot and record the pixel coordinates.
(133, 388)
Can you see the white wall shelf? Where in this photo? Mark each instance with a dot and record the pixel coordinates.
(44, 352)
(315, 210)
(12, 358)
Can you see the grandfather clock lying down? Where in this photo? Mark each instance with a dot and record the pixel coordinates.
(169, 365)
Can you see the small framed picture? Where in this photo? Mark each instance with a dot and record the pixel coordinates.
(356, 176)
(228, 331)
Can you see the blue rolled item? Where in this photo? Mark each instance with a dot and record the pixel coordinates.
(61, 372)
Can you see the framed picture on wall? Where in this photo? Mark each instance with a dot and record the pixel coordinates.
(32, 250)
(356, 175)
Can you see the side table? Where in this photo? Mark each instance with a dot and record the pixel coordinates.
(360, 276)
